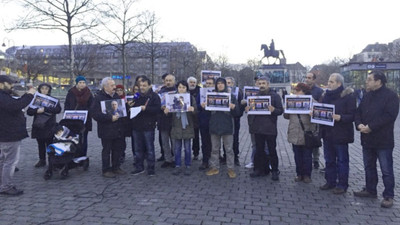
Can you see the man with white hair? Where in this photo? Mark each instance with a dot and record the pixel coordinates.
(194, 91)
(110, 130)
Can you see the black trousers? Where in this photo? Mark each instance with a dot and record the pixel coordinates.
(196, 143)
(262, 160)
(112, 150)
(205, 144)
(42, 145)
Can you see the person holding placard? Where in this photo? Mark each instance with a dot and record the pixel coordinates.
(264, 128)
(194, 90)
(337, 138)
(44, 120)
(221, 127)
(80, 97)
(298, 123)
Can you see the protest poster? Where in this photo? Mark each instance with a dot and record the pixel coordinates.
(163, 97)
(323, 114)
(298, 104)
(250, 91)
(206, 74)
(177, 102)
(40, 100)
(76, 115)
(114, 107)
(203, 93)
(156, 87)
(258, 105)
(216, 101)
(234, 91)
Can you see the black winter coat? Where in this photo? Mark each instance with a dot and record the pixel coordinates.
(345, 106)
(378, 109)
(267, 124)
(106, 128)
(12, 119)
(47, 131)
(221, 123)
(164, 122)
(71, 104)
(146, 120)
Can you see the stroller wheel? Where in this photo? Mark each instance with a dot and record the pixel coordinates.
(64, 173)
(47, 175)
(85, 164)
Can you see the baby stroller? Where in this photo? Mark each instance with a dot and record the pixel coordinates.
(66, 151)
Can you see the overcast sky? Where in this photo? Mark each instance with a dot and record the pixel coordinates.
(308, 31)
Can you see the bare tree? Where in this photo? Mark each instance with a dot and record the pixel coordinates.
(33, 62)
(123, 26)
(69, 16)
(85, 55)
(325, 70)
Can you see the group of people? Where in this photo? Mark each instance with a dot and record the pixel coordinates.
(374, 118)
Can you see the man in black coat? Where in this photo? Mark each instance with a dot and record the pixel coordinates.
(264, 128)
(12, 131)
(194, 90)
(337, 138)
(375, 118)
(110, 129)
(143, 126)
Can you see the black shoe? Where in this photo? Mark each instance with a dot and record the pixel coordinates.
(237, 163)
(137, 172)
(151, 173)
(196, 157)
(161, 159)
(13, 191)
(16, 169)
(40, 163)
(275, 175)
(326, 187)
(316, 165)
(338, 191)
(257, 173)
(364, 194)
(203, 166)
(85, 164)
(167, 164)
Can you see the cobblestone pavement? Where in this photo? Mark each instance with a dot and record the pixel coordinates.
(89, 198)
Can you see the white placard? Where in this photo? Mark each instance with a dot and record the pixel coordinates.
(203, 93)
(40, 100)
(206, 74)
(298, 104)
(258, 105)
(216, 101)
(114, 107)
(250, 91)
(134, 111)
(177, 102)
(76, 115)
(323, 114)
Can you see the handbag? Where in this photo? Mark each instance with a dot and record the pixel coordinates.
(311, 138)
(41, 120)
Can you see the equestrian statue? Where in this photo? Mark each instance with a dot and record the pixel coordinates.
(271, 52)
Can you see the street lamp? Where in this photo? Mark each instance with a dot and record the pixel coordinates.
(8, 42)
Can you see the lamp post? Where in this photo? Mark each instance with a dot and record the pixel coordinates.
(4, 46)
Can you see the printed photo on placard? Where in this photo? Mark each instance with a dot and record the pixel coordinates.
(258, 105)
(203, 93)
(323, 114)
(76, 115)
(163, 97)
(40, 100)
(250, 91)
(156, 87)
(114, 107)
(216, 101)
(177, 102)
(206, 74)
(298, 104)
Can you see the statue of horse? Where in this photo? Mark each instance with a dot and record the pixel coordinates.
(271, 52)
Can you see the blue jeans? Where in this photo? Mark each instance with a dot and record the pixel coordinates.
(385, 157)
(144, 145)
(337, 164)
(178, 150)
(303, 159)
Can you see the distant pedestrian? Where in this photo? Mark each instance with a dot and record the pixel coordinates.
(375, 119)
(44, 121)
(12, 131)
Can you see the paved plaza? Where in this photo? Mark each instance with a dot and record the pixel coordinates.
(86, 197)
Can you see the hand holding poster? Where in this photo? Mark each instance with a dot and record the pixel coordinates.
(298, 104)
(76, 115)
(114, 107)
(206, 74)
(323, 114)
(216, 101)
(40, 100)
(178, 102)
(250, 91)
(258, 105)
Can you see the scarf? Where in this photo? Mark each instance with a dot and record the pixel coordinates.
(332, 95)
(183, 117)
(82, 96)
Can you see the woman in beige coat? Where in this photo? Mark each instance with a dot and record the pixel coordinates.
(302, 154)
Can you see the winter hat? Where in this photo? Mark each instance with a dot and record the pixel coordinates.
(6, 78)
(80, 78)
(120, 86)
